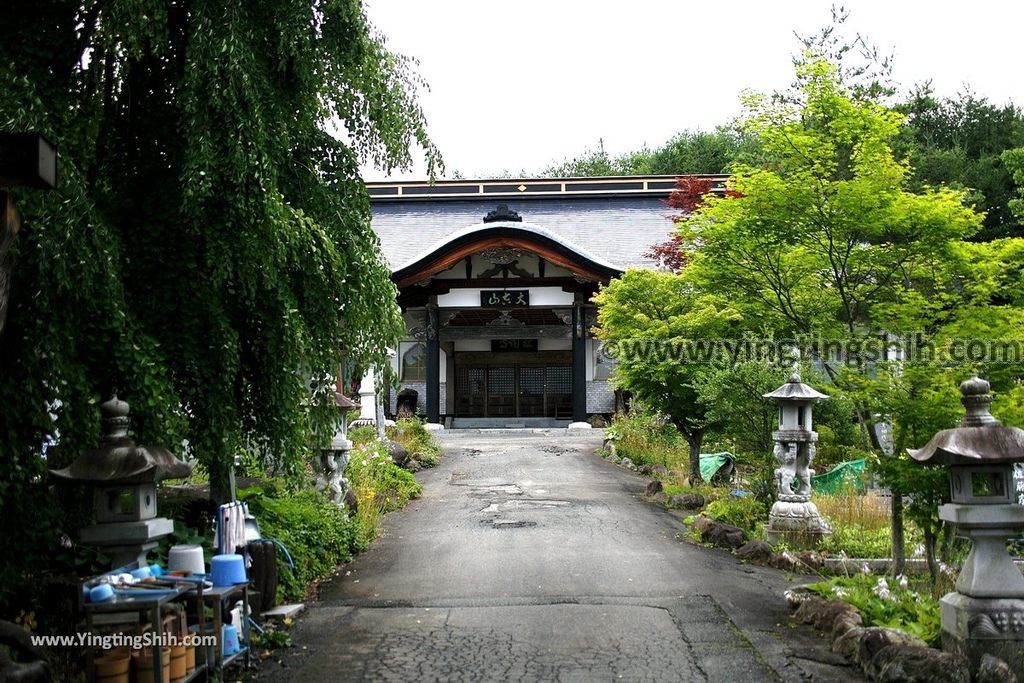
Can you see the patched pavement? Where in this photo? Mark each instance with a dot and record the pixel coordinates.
(529, 558)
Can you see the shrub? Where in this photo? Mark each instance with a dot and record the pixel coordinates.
(861, 524)
(317, 533)
(747, 513)
(856, 541)
(886, 602)
(380, 487)
(646, 438)
(414, 437)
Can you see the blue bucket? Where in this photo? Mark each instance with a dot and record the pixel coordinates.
(227, 570)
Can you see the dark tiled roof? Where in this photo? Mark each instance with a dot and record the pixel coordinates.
(618, 230)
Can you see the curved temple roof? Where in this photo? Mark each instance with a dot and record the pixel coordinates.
(473, 238)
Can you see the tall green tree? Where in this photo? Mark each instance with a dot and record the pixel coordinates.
(655, 327)
(960, 142)
(208, 253)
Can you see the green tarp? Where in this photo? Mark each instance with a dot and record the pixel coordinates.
(718, 465)
(849, 474)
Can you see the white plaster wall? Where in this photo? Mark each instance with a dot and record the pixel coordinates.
(554, 344)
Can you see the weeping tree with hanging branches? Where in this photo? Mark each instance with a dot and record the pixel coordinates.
(208, 252)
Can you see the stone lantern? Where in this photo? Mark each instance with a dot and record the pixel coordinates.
(333, 461)
(986, 612)
(794, 517)
(124, 478)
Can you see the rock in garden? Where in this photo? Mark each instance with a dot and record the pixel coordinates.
(653, 487)
(915, 664)
(627, 463)
(849, 643)
(687, 501)
(994, 670)
(875, 639)
(720, 534)
(660, 498)
(757, 552)
(659, 471)
(399, 454)
(823, 613)
(844, 623)
(644, 470)
(810, 559)
(351, 502)
(785, 560)
(797, 595)
(413, 465)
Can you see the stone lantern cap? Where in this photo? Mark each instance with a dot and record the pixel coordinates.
(795, 390)
(979, 440)
(344, 401)
(119, 460)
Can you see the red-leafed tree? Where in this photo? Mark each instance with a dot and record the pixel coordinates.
(687, 195)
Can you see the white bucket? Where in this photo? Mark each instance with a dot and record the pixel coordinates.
(186, 558)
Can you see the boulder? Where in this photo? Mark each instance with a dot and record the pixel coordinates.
(797, 595)
(785, 560)
(654, 487)
(413, 465)
(659, 470)
(874, 640)
(844, 623)
(720, 534)
(757, 552)
(994, 670)
(628, 464)
(351, 502)
(687, 501)
(810, 559)
(824, 614)
(849, 643)
(915, 664)
(644, 470)
(399, 454)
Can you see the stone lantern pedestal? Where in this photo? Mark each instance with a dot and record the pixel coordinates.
(794, 518)
(985, 615)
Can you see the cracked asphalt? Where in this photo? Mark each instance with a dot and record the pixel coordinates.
(529, 558)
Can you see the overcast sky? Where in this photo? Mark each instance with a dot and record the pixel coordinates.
(517, 85)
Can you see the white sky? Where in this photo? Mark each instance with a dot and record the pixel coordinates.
(517, 85)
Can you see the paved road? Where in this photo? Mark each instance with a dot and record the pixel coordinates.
(529, 558)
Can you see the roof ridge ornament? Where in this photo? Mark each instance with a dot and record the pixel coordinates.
(503, 213)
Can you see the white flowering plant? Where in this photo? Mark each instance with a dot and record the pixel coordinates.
(889, 602)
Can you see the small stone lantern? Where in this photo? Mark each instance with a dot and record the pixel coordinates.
(124, 478)
(794, 517)
(333, 461)
(986, 612)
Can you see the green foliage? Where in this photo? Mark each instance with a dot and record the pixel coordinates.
(644, 317)
(647, 438)
(747, 513)
(208, 251)
(414, 437)
(379, 484)
(856, 541)
(963, 142)
(887, 602)
(317, 533)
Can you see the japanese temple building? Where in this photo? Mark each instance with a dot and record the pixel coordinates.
(495, 279)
